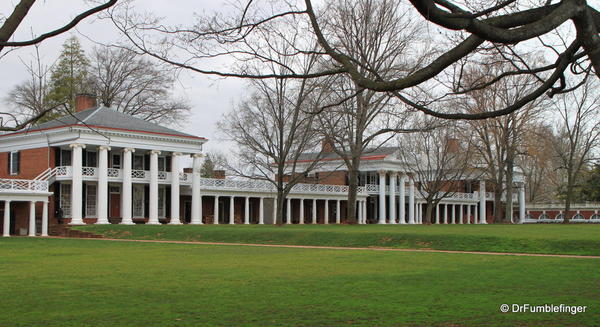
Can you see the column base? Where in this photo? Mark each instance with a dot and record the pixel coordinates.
(196, 223)
(102, 222)
(381, 223)
(175, 223)
(261, 223)
(44, 235)
(231, 223)
(152, 223)
(77, 223)
(29, 235)
(127, 223)
(5, 235)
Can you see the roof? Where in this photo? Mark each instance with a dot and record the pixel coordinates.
(369, 154)
(103, 117)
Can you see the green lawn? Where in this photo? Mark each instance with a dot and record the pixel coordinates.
(552, 239)
(57, 282)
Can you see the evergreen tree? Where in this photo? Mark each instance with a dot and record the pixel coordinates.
(70, 76)
(208, 167)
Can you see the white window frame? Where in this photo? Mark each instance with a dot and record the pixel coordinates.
(112, 162)
(137, 202)
(162, 201)
(12, 163)
(90, 200)
(65, 200)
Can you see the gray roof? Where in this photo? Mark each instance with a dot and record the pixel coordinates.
(380, 151)
(105, 117)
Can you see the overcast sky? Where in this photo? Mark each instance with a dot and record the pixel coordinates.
(210, 97)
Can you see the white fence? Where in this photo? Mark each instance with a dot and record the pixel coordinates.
(23, 185)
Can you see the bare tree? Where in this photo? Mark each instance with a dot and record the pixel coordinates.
(126, 82)
(364, 119)
(578, 132)
(439, 161)
(475, 29)
(8, 27)
(29, 98)
(500, 140)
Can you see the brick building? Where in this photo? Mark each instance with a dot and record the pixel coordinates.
(100, 166)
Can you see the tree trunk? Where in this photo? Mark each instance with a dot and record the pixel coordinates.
(498, 203)
(280, 212)
(566, 214)
(428, 212)
(508, 214)
(352, 193)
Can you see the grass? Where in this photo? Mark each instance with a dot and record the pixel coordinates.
(549, 239)
(73, 282)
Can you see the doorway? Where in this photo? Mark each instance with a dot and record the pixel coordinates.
(115, 202)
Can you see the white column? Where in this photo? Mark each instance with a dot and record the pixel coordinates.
(453, 214)
(469, 213)
(301, 211)
(359, 205)
(326, 218)
(437, 213)
(418, 212)
(196, 195)
(261, 212)
(402, 213)
(460, 217)
(77, 184)
(364, 211)
(127, 187)
(288, 216)
(6, 225)
(446, 213)
(314, 211)
(337, 212)
(482, 202)
(475, 218)
(216, 211)
(31, 218)
(411, 201)
(175, 189)
(393, 177)
(381, 197)
(153, 198)
(521, 203)
(231, 210)
(274, 211)
(102, 191)
(247, 211)
(45, 219)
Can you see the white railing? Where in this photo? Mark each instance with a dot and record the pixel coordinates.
(62, 171)
(140, 174)
(162, 175)
(88, 171)
(264, 186)
(25, 185)
(183, 177)
(113, 172)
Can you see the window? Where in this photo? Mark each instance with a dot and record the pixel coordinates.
(91, 159)
(161, 202)
(14, 162)
(65, 200)
(162, 163)
(116, 160)
(90, 200)
(65, 157)
(138, 162)
(138, 201)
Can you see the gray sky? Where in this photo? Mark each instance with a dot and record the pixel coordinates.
(210, 97)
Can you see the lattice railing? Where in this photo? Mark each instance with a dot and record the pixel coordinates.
(63, 171)
(24, 185)
(141, 174)
(113, 172)
(264, 186)
(88, 171)
(162, 175)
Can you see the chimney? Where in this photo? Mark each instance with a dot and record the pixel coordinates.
(452, 145)
(326, 145)
(84, 101)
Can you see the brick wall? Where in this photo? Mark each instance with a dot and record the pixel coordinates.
(32, 163)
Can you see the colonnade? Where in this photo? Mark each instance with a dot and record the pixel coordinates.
(31, 230)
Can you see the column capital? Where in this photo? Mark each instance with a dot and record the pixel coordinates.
(393, 173)
(198, 155)
(104, 147)
(125, 150)
(154, 152)
(76, 145)
(382, 172)
(176, 154)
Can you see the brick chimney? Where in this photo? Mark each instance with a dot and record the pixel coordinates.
(84, 101)
(326, 145)
(452, 145)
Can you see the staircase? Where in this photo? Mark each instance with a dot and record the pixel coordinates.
(66, 231)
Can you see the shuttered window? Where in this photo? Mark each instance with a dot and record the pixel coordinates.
(14, 162)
